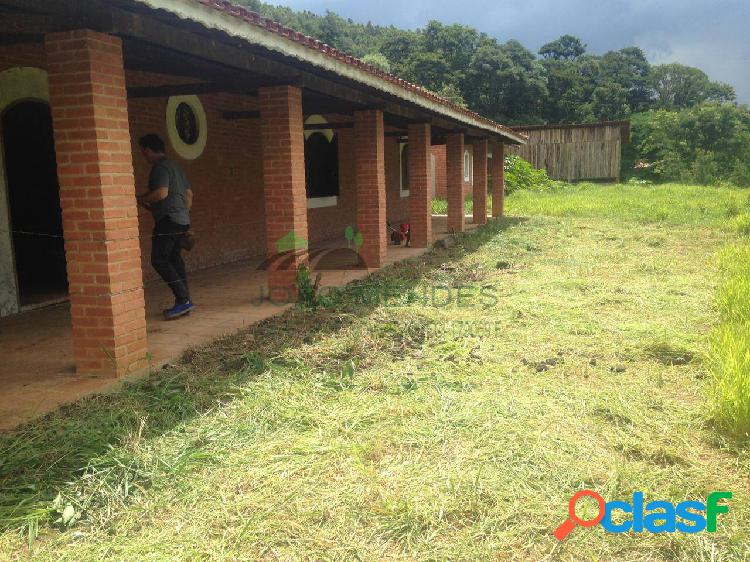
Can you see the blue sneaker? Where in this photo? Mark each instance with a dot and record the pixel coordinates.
(178, 310)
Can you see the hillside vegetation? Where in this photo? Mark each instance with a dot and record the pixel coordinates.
(686, 128)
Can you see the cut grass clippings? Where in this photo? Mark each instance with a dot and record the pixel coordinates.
(442, 409)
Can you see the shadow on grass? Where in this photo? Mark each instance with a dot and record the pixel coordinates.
(89, 439)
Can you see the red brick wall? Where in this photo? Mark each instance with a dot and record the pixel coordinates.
(228, 212)
(330, 222)
(469, 185)
(480, 182)
(420, 184)
(283, 149)
(27, 54)
(441, 183)
(97, 196)
(397, 206)
(454, 154)
(497, 164)
(371, 190)
(228, 206)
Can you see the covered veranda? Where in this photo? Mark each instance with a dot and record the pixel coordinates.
(39, 372)
(241, 96)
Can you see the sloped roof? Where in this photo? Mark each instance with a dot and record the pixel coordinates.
(238, 21)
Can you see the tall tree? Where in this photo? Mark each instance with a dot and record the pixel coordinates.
(505, 80)
(676, 86)
(629, 68)
(567, 47)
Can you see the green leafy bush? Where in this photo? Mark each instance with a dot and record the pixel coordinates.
(378, 61)
(706, 144)
(519, 174)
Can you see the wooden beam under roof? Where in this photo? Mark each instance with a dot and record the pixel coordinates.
(20, 38)
(326, 126)
(235, 115)
(168, 90)
(252, 59)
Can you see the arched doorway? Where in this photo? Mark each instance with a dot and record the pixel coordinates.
(33, 196)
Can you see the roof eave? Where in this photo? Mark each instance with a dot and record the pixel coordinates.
(233, 26)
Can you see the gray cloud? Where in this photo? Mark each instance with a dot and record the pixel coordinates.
(709, 34)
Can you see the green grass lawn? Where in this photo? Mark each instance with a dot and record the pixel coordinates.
(669, 203)
(444, 409)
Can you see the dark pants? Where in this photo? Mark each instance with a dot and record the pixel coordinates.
(166, 257)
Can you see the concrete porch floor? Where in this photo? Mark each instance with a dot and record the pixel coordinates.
(37, 372)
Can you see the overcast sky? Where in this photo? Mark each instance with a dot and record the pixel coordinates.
(713, 35)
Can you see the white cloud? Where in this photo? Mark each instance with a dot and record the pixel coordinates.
(722, 59)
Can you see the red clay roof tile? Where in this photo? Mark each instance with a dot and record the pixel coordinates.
(275, 27)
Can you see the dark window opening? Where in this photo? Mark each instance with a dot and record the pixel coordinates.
(34, 201)
(187, 124)
(321, 166)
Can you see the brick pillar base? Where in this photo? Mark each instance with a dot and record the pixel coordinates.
(498, 179)
(97, 196)
(454, 163)
(282, 139)
(480, 182)
(420, 184)
(369, 141)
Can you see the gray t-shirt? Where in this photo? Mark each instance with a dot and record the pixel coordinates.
(166, 173)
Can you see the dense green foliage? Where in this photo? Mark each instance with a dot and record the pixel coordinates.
(686, 128)
(506, 81)
(519, 174)
(705, 144)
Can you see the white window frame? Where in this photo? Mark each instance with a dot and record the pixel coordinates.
(468, 167)
(321, 202)
(187, 151)
(401, 146)
(331, 200)
(433, 173)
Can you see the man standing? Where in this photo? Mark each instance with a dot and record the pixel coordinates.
(169, 199)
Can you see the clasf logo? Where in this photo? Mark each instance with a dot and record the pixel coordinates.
(654, 517)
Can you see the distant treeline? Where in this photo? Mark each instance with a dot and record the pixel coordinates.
(685, 126)
(506, 81)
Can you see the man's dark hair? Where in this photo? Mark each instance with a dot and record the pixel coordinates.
(153, 142)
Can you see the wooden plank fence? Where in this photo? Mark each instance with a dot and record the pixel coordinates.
(586, 151)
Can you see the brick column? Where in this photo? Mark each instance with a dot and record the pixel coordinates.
(283, 142)
(480, 182)
(498, 179)
(420, 184)
(369, 149)
(97, 195)
(454, 163)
